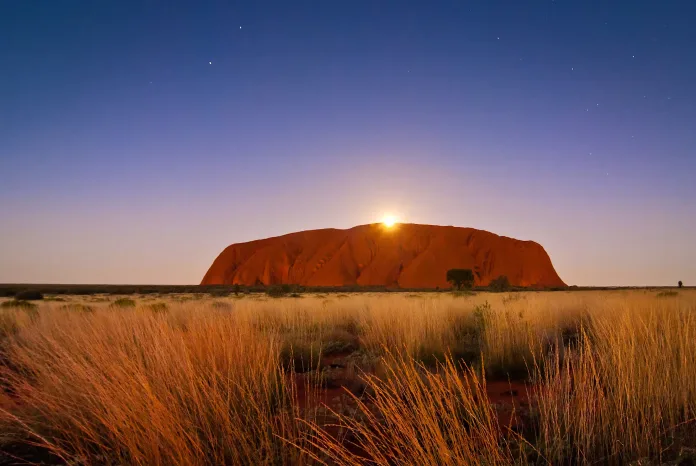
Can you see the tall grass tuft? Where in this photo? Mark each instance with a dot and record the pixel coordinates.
(627, 392)
(145, 390)
(414, 416)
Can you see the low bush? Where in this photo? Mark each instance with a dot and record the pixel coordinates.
(300, 357)
(79, 307)
(500, 284)
(339, 341)
(158, 307)
(221, 305)
(123, 302)
(17, 304)
(468, 332)
(276, 291)
(29, 309)
(351, 325)
(29, 295)
(463, 293)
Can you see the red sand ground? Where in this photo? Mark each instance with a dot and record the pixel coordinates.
(406, 255)
(510, 399)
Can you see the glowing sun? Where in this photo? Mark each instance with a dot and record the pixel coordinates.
(389, 221)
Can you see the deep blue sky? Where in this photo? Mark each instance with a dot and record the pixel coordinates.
(137, 139)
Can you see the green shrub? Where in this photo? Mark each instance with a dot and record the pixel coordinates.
(158, 307)
(299, 357)
(339, 341)
(351, 325)
(29, 295)
(468, 333)
(221, 305)
(277, 291)
(468, 328)
(124, 302)
(57, 299)
(30, 309)
(18, 304)
(79, 307)
(482, 314)
(461, 278)
(500, 284)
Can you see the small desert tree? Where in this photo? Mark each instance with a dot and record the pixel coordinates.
(460, 278)
(680, 284)
(500, 284)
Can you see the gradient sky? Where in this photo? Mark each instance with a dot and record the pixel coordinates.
(138, 139)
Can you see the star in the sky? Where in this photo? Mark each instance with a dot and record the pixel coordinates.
(210, 63)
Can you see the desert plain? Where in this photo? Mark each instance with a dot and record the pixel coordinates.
(426, 378)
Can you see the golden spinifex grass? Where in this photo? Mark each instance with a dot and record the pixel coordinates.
(629, 390)
(612, 374)
(138, 388)
(414, 416)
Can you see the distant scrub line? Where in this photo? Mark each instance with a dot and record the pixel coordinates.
(12, 290)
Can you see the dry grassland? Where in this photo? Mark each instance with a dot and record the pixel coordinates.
(381, 379)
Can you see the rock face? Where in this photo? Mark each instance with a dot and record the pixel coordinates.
(405, 255)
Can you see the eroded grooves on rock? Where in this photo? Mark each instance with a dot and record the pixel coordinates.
(408, 256)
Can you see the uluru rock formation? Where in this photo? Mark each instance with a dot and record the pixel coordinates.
(405, 255)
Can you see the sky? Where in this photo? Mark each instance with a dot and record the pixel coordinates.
(140, 138)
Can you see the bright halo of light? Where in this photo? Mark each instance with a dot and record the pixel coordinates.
(389, 221)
